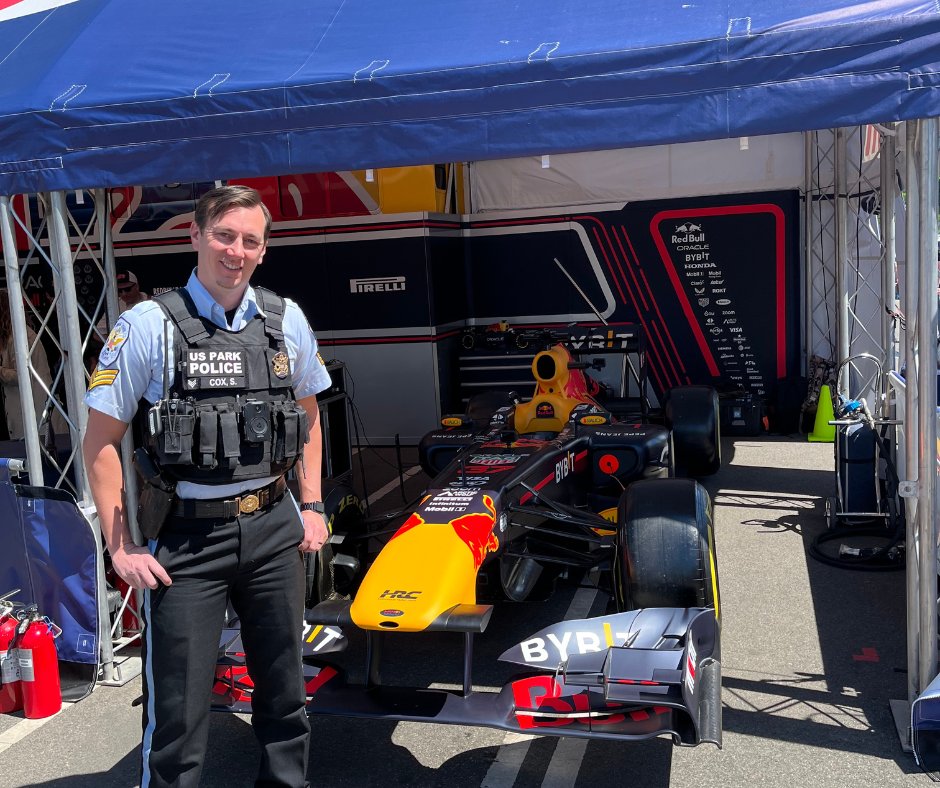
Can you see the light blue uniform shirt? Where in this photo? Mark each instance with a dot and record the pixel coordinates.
(132, 364)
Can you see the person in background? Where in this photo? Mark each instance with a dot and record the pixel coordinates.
(129, 292)
(225, 417)
(12, 426)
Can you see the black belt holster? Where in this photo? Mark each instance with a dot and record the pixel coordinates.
(155, 495)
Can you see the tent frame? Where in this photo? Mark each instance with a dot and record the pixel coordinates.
(827, 291)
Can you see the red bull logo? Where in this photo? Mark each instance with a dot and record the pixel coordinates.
(476, 531)
(411, 522)
(571, 384)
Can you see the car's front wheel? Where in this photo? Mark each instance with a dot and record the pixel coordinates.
(665, 546)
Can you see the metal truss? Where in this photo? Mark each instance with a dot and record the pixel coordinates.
(857, 304)
(848, 248)
(42, 240)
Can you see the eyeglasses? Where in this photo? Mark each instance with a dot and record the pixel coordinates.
(250, 244)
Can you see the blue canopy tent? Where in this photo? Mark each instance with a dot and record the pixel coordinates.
(105, 93)
(101, 93)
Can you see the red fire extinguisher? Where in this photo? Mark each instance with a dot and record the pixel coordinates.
(39, 664)
(11, 696)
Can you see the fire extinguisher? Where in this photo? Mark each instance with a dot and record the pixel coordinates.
(39, 664)
(11, 696)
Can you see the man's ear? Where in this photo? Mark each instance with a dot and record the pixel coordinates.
(194, 234)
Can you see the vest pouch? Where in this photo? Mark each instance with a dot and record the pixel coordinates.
(231, 437)
(285, 429)
(207, 445)
(303, 429)
(176, 441)
(291, 431)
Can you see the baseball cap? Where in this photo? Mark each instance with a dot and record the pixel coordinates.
(126, 279)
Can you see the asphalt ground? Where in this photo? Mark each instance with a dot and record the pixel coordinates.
(811, 656)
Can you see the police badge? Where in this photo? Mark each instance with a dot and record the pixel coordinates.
(281, 364)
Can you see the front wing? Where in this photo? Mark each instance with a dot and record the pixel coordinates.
(626, 676)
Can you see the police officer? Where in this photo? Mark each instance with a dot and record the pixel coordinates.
(222, 378)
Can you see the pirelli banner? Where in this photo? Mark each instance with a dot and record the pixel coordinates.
(713, 281)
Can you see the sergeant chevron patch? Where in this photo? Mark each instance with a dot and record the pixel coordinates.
(102, 377)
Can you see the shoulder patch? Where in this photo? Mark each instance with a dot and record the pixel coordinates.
(115, 342)
(320, 359)
(102, 377)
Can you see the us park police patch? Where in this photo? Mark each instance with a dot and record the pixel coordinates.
(280, 364)
(115, 342)
(214, 369)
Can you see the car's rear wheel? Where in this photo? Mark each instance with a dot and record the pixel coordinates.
(665, 546)
(691, 413)
(325, 579)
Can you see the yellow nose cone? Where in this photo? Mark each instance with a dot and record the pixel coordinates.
(425, 569)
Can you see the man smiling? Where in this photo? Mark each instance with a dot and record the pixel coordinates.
(226, 376)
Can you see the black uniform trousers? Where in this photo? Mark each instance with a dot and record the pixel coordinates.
(252, 561)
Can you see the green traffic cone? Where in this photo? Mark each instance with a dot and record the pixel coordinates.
(823, 431)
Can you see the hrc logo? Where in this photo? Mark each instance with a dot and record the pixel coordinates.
(411, 596)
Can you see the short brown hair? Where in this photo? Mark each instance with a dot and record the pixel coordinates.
(222, 199)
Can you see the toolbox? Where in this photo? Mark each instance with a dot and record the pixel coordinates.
(741, 413)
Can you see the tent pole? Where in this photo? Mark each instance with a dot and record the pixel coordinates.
(908, 363)
(21, 345)
(806, 273)
(889, 269)
(920, 356)
(927, 395)
(74, 379)
(841, 214)
(103, 216)
(113, 309)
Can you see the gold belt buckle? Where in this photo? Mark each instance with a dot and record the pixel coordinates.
(248, 503)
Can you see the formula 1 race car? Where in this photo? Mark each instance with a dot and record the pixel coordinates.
(522, 493)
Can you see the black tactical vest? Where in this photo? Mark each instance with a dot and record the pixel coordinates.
(230, 414)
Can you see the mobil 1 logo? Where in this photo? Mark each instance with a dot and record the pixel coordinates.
(214, 369)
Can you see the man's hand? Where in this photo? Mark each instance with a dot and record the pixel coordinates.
(315, 532)
(138, 568)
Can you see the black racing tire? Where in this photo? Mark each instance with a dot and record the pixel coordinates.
(691, 412)
(343, 515)
(665, 546)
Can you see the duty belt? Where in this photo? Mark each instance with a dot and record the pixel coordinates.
(223, 508)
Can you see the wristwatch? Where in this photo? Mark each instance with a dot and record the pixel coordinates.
(313, 506)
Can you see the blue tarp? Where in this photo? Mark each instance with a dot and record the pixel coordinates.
(109, 92)
(48, 551)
